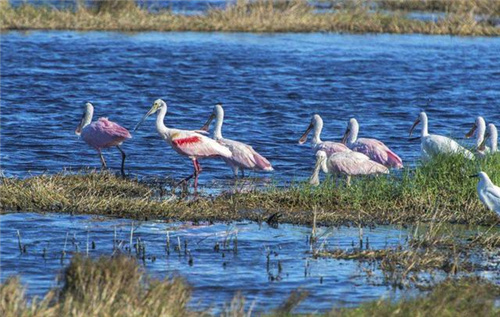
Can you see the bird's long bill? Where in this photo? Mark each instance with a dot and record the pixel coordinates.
(475, 175)
(414, 125)
(206, 126)
(482, 146)
(346, 135)
(471, 132)
(150, 112)
(78, 130)
(303, 138)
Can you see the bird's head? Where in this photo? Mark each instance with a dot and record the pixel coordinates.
(217, 112)
(157, 105)
(421, 117)
(315, 121)
(86, 118)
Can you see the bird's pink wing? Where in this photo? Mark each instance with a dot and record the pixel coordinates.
(112, 128)
(347, 163)
(104, 133)
(193, 144)
(331, 147)
(378, 152)
(245, 156)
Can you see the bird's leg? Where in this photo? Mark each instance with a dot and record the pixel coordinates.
(123, 160)
(103, 162)
(197, 171)
(242, 173)
(348, 180)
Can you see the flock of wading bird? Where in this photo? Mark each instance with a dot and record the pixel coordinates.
(352, 157)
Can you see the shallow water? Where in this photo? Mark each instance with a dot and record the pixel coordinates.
(215, 276)
(271, 84)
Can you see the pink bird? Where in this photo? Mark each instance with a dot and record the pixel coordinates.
(244, 156)
(102, 134)
(192, 144)
(347, 163)
(373, 148)
(327, 146)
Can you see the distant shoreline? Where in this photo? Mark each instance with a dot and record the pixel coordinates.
(257, 17)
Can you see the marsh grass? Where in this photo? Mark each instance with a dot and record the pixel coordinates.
(117, 286)
(486, 7)
(442, 187)
(242, 16)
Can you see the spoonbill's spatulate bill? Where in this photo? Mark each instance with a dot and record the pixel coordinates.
(348, 163)
(491, 135)
(243, 155)
(433, 144)
(192, 144)
(374, 149)
(327, 146)
(102, 134)
(489, 194)
(478, 129)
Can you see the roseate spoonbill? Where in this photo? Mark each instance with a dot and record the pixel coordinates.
(491, 135)
(192, 144)
(327, 146)
(434, 144)
(373, 148)
(488, 193)
(347, 163)
(244, 156)
(479, 128)
(102, 134)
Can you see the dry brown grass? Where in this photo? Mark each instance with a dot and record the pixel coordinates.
(485, 7)
(259, 16)
(104, 287)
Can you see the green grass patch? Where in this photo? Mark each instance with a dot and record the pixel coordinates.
(440, 188)
(242, 16)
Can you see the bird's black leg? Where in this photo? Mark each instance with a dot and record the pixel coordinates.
(123, 160)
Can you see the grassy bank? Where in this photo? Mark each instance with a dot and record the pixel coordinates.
(440, 188)
(243, 16)
(119, 287)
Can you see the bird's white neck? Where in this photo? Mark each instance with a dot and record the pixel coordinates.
(493, 139)
(219, 118)
(481, 129)
(425, 125)
(89, 113)
(353, 132)
(160, 124)
(318, 126)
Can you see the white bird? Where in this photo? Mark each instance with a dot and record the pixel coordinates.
(192, 144)
(348, 163)
(479, 129)
(434, 144)
(491, 135)
(243, 155)
(373, 148)
(327, 146)
(489, 194)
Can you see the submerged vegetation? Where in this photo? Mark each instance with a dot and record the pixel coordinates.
(117, 286)
(251, 16)
(442, 187)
